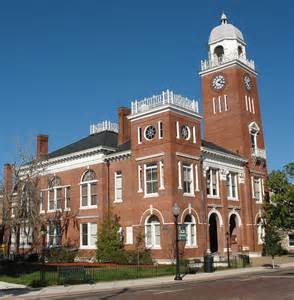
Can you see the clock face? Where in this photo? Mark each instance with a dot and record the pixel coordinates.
(247, 82)
(218, 82)
(150, 132)
(185, 132)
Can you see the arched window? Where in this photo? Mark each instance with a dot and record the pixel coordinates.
(253, 131)
(190, 230)
(88, 189)
(240, 51)
(152, 232)
(54, 193)
(219, 53)
(260, 231)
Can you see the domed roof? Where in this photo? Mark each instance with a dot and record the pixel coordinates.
(225, 31)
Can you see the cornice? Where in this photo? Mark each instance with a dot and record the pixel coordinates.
(223, 155)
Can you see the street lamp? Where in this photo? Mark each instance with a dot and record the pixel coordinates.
(43, 234)
(176, 212)
(228, 248)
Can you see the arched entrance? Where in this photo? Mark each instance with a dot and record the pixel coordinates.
(213, 239)
(233, 233)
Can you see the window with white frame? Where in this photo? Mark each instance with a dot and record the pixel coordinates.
(67, 197)
(257, 189)
(260, 231)
(160, 129)
(25, 237)
(150, 178)
(291, 240)
(152, 232)
(232, 188)
(191, 231)
(253, 131)
(54, 234)
(88, 190)
(42, 201)
(88, 235)
(54, 194)
(212, 183)
(129, 235)
(188, 178)
(118, 186)
(139, 133)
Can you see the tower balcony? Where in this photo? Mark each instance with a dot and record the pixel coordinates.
(224, 59)
(165, 99)
(103, 126)
(259, 154)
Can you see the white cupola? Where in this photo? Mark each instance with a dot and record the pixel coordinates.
(226, 41)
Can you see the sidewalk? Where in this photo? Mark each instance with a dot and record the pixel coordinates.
(9, 291)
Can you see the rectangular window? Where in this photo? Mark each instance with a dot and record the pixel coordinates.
(139, 179)
(178, 129)
(84, 194)
(118, 186)
(67, 197)
(249, 103)
(51, 199)
(226, 102)
(212, 182)
(232, 192)
(160, 130)
(291, 240)
(194, 134)
(213, 105)
(25, 237)
(129, 235)
(188, 179)
(54, 234)
(257, 189)
(220, 103)
(151, 179)
(252, 104)
(93, 194)
(139, 135)
(88, 235)
(161, 173)
(42, 201)
(58, 198)
(246, 103)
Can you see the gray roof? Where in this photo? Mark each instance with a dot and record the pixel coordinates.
(212, 146)
(104, 138)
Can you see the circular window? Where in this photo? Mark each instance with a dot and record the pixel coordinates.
(150, 132)
(185, 132)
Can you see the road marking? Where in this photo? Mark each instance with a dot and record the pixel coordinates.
(171, 291)
(277, 276)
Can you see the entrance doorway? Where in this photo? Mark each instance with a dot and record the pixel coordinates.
(213, 233)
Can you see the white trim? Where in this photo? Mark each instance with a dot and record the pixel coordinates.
(179, 175)
(249, 102)
(116, 176)
(187, 155)
(246, 102)
(213, 105)
(140, 190)
(88, 217)
(234, 212)
(194, 134)
(213, 210)
(191, 194)
(220, 103)
(178, 129)
(225, 155)
(253, 110)
(160, 134)
(150, 156)
(161, 175)
(129, 235)
(252, 187)
(89, 234)
(196, 178)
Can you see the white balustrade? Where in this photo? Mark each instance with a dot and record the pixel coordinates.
(103, 126)
(218, 61)
(165, 98)
(259, 153)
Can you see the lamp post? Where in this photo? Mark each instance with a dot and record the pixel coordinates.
(43, 234)
(176, 212)
(228, 248)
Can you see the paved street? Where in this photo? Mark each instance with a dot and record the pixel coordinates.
(275, 285)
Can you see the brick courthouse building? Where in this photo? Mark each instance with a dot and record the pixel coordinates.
(155, 157)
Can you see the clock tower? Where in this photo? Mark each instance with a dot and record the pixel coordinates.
(231, 110)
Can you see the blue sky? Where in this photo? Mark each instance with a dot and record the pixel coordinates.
(67, 64)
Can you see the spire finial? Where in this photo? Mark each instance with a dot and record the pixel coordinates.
(224, 19)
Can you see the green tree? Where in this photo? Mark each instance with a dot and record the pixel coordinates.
(272, 242)
(109, 243)
(279, 210)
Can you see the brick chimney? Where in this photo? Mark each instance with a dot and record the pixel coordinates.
(124, 128)
(7, 177)
(42, 146)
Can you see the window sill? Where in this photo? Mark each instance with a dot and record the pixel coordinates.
(88, 207)
(117, 201)
(153, 248)
(258, 202)
(42, 211)
(191, 247)
(213, 197)
(151, 195)
(66, 209)
(54, 210)
(88, 247)
(233, 199)
(188, 195)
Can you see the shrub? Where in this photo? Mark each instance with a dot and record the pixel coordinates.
(61, 254)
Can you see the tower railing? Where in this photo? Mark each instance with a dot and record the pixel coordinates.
(218, 61)
(259, 153)
(103, 126)
(165, 98)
